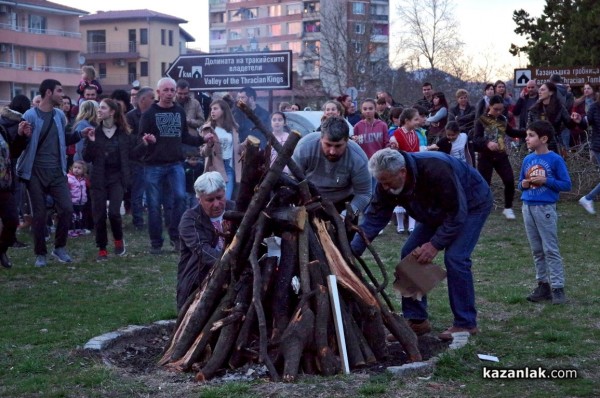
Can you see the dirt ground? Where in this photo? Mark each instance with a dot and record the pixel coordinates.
(135, 357)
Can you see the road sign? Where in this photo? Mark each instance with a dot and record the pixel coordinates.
(352, 92)
(522, 76)
(574, 76)
(231, 71)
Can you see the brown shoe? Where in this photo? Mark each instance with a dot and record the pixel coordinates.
(419, 328)
(446, 335)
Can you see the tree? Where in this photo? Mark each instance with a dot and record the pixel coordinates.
(430, 32)
(566, 34)
(352, 52)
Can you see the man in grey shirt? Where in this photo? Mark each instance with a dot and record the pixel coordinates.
(337, 166)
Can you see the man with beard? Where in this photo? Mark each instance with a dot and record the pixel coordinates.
(43, 167)
(450, 202)
(336, 165)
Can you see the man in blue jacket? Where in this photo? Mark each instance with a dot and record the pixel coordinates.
(450, 202)
(43, 166)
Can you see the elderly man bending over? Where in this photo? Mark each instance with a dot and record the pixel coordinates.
(200, 231)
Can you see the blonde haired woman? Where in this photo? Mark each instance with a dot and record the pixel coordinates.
(87, 117)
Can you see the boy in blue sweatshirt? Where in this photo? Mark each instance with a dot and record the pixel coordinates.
(543, 175)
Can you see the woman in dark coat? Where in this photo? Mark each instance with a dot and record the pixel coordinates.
(109, 148)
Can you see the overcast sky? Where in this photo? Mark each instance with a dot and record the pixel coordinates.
(486, 25)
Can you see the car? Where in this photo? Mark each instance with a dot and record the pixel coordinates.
(306, 122)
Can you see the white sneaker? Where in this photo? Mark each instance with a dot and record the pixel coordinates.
(588, 205)
(509, 214)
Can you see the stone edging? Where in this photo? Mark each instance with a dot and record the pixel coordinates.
(424, 368)
(107, 340)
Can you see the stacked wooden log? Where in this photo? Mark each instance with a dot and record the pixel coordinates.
(255, 307)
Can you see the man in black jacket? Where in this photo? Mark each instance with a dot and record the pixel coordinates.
(450, 202)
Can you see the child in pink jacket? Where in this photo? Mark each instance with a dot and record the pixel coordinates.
(77, 185)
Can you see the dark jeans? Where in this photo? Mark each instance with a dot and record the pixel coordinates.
(54, 183)
(486, 165)
(457, 258)
(113, 193)
(137, 189)
(10, 220)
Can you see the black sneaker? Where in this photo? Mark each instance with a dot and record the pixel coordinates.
(558, 296)
(156, 250)
(176, 245)
(541, 293)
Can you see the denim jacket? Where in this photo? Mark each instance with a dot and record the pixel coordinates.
(26, 160)
(439, 191)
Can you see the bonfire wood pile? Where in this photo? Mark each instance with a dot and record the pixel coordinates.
(247, 310)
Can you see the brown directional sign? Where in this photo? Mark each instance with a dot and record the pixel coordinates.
(574, 76)
(231, 71)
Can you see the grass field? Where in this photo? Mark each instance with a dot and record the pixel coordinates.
(48, 314)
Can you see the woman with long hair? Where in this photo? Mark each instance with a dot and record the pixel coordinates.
(438, 117)
(108, 147)
(549, 107)
(222, 154)
(489, 136)
(86, 117)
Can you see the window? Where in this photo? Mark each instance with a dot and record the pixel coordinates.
(242, 14)
(252, 32)
(295, 8)
(144, 68)
(235, 34)
(359, 28)
(102, 70)
(275, 11)
(358, 8)
(357, 47)
(295, 46)
(163, 37)
(274, 30)
(312, 27)
(311, 47)
(96, 41)
(276, 47)
(170, 38)
(132, 40)
(294, 28)
(144, 36)
(37, 24)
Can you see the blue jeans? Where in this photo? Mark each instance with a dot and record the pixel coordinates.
(541, 228)
(230, 171)
(457, 258)
(154, 177)
(596, 191)
(138, 186)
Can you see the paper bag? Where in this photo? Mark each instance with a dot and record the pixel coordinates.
(414, 279)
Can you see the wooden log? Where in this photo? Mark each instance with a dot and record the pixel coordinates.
(282, 296)
(352, 338)
(220, 353)
(294, 168)
(305, 284)
(327, 362)
(201, 309)
(373, 333)
(252, 171)
(199, 344)
(289, 217)
(297, 337)
(340, 269)
(257, 297)
(267, 266)
(197, 314)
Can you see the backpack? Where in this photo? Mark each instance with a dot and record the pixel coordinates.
(6, 179)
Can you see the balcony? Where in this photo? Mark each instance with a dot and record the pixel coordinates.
(217, 4)
(100, 51)
(380, 38)
(380, 17)
(34, 74)
(41, 38)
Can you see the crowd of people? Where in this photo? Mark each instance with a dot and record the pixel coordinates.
(430, 164)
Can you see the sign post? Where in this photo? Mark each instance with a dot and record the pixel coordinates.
(575, 76)
(231, 71)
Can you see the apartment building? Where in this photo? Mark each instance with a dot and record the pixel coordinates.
(38, 40)
(129, 46)
(334, 43)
